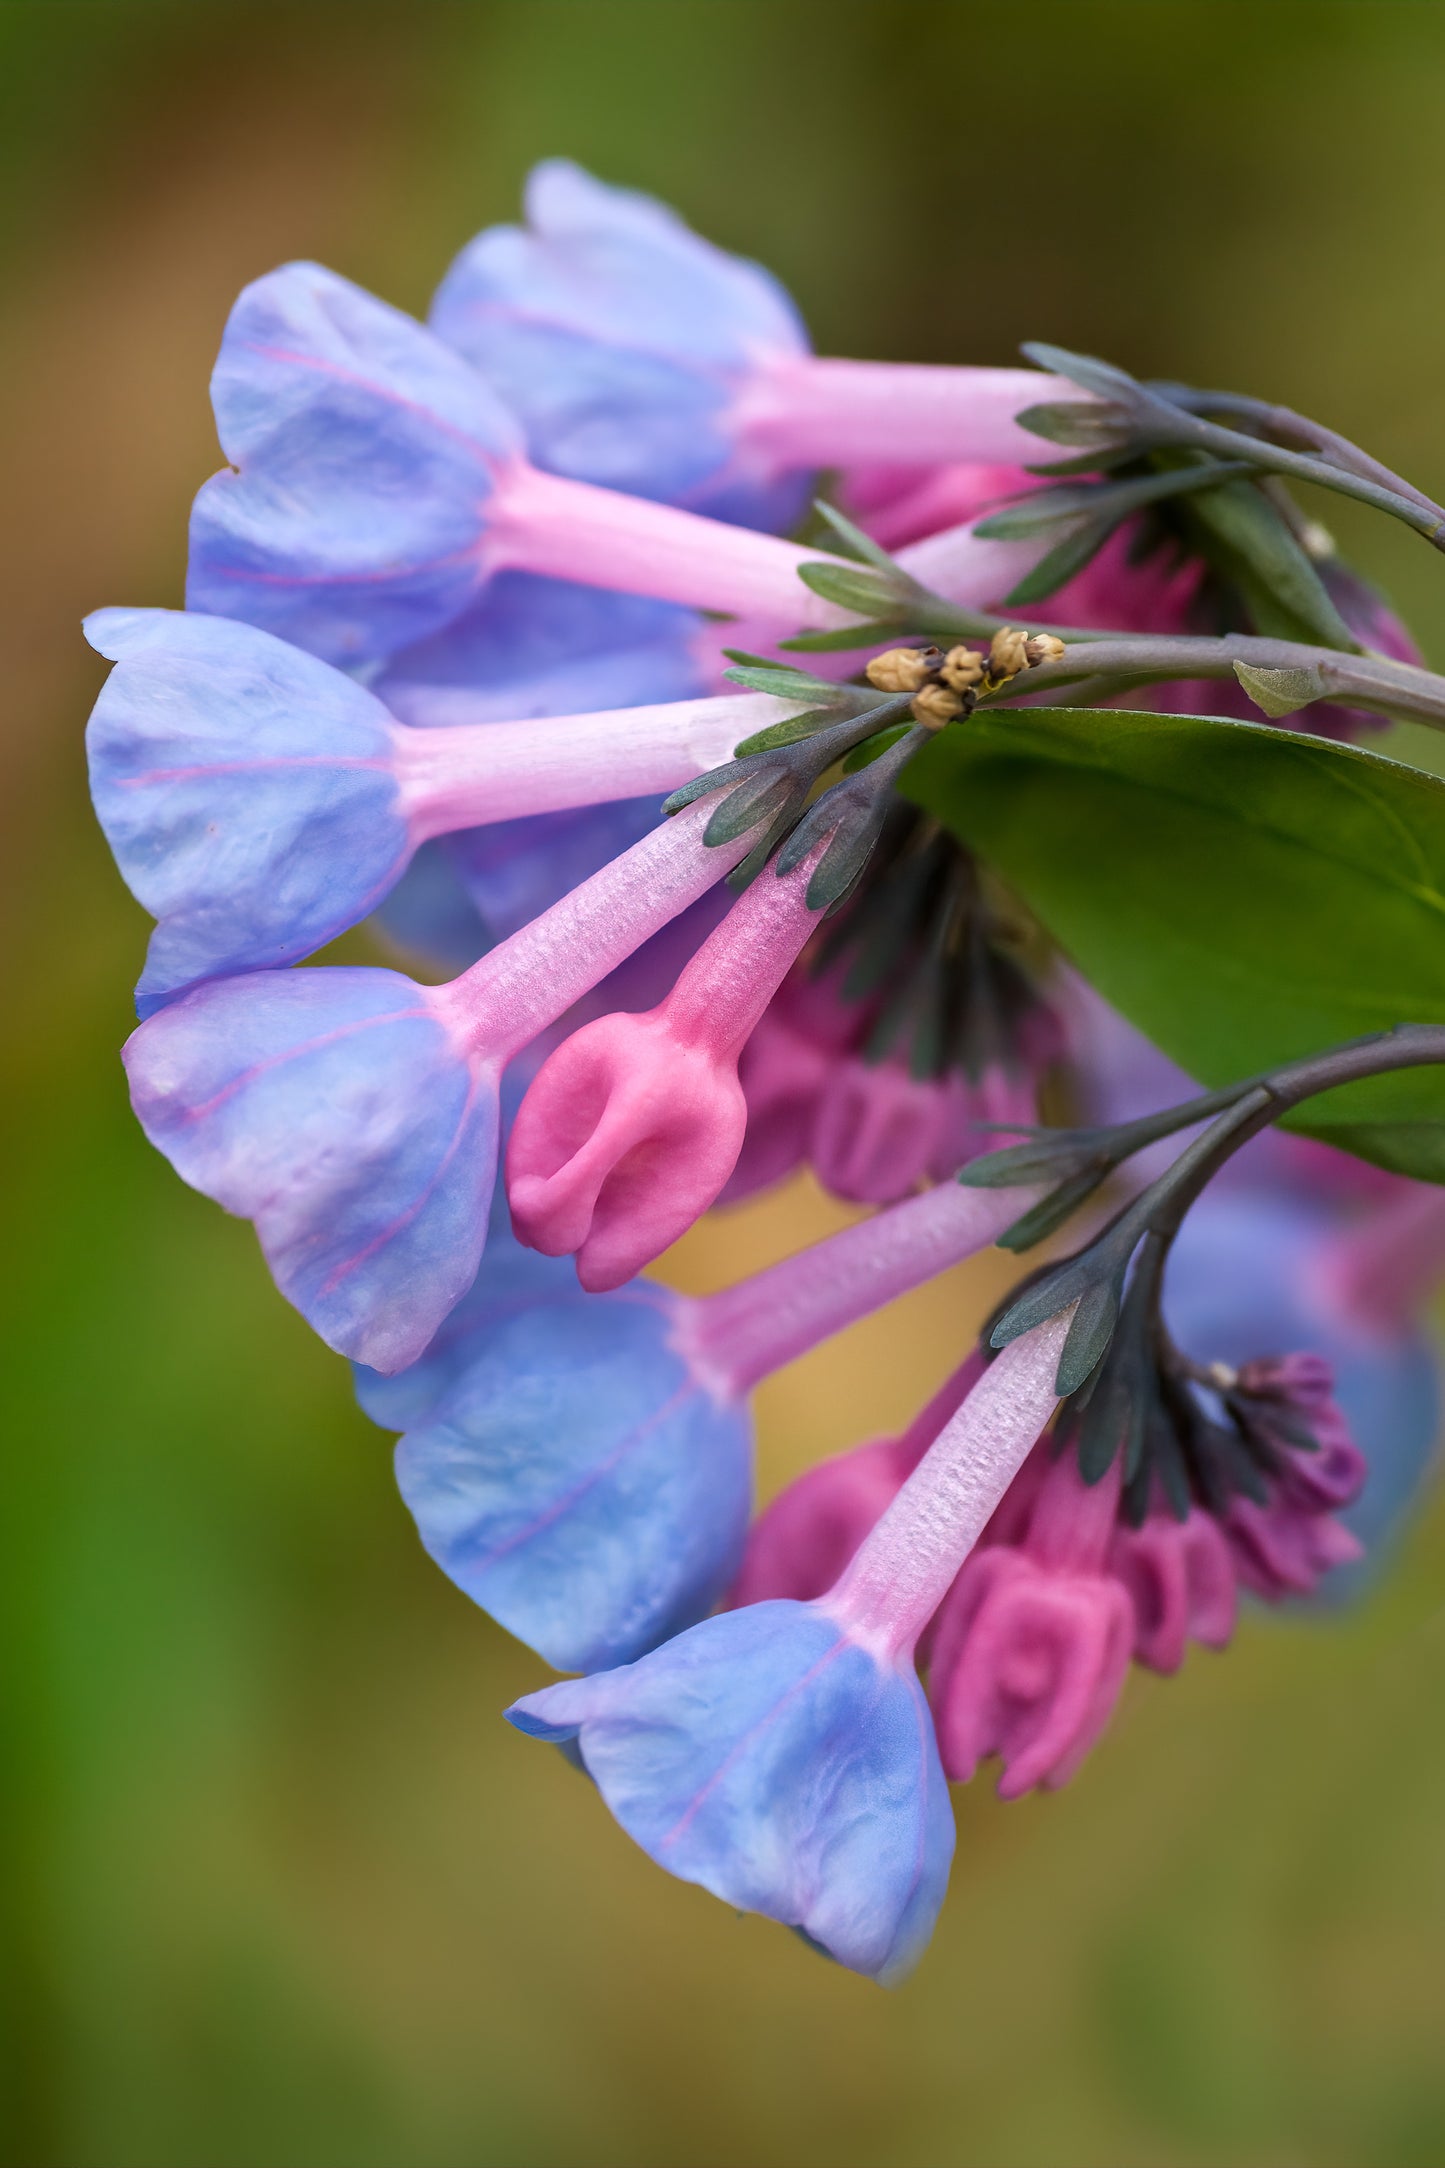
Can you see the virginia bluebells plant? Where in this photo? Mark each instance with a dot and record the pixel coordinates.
(517, 636)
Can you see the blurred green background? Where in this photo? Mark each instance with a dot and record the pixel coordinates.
(281, 1890)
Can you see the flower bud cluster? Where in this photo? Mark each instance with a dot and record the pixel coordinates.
(947, 686)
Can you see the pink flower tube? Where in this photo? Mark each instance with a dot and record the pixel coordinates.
(800, 410)
(800, 1545)
(633, 1125)
(572, 531)
(905, 1568)
(468, 774)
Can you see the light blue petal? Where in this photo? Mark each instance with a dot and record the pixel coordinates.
(578, 1481)
(534, 646)
(619, 337)
(510, 1279)
(366, 451)
(333, 1109)
(769, 1758)
(246, 789)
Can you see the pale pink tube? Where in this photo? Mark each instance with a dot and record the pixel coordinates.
(904, 1569)
(799, 410)
(745, 1332)
(455, 774)
(526, 983)
(573, 531)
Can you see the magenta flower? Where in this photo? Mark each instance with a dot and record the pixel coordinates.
(1180, 1579)
(1033, 1643)
(879, 1131)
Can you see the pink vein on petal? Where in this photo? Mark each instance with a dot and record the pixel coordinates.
(756, 1731)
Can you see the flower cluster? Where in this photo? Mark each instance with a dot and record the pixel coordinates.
(450, 643)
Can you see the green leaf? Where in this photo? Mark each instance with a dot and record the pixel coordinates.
(1245, 895)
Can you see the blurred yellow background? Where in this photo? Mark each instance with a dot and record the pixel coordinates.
(281, 1890)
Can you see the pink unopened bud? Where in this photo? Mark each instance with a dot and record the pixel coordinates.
(1033, 1643)
(879, 1131)
(1180, 1579)
(633, 1125)
(1283, 1550)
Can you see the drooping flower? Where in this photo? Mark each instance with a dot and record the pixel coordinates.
(1254, 1268)
(640, 356)
(352, 1114)
(376, 484)
(782, 1755)
(879, 1130)
(582, 1465)
(1033, 1642)
(260, 802)
(1181, 1582)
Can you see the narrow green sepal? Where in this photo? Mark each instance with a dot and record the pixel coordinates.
(876, 634)
(1051, 1212)
(788, 732)
(864, 592)
(1097, 423)
(860, 544)
(1089, 1335)
(758, 798)
(784, 682)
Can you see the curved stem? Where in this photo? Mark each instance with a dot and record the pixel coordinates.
(1366, 681)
